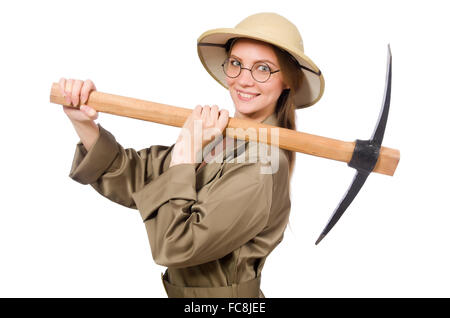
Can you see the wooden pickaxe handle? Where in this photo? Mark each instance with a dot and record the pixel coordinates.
(176, 116)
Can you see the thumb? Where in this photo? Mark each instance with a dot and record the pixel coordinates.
(89, 111)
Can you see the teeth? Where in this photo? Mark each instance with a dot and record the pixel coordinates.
(246, 95)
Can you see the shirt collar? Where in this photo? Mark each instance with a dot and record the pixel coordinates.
(271, 120)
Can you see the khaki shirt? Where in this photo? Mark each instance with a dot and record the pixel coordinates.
(213, 227)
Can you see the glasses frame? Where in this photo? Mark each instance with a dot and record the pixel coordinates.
(249, 69)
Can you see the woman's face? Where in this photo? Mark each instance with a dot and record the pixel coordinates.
(252, 99)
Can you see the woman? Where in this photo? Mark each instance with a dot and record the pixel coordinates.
(213, 224)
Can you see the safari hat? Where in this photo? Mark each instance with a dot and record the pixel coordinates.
(271, 28)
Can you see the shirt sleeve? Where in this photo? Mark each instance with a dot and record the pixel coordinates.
(184, 230)
(115, 172)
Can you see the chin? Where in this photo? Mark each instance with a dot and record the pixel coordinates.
(247, 110)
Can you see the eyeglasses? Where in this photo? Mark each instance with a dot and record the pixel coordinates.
(260, 71)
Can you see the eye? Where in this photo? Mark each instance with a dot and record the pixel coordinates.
(235, 62)
(263, 68)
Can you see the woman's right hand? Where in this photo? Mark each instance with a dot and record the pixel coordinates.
(76, 92)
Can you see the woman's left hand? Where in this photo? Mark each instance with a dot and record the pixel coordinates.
(208, 121)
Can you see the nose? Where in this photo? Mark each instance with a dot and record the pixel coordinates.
(245, 78)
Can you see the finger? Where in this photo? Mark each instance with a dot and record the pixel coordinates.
(95, 115)
(214, 113)
(207, 119)
(192, 116)
(68, 90)
(197, 112)
(92, 84)
(88, 86)
(84, 116)
(206, 111)
(222, 122)
(62, 85)
(198, 109)
(76, 92)
(89, 112)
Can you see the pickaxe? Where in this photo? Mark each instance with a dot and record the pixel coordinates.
(363, 155)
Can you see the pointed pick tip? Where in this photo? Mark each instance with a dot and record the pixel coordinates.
(320, 238)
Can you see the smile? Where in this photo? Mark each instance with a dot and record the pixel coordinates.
(246, 96)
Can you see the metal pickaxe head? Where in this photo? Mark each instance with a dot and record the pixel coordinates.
(365, 155)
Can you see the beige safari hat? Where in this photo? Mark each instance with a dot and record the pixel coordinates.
(271, 28)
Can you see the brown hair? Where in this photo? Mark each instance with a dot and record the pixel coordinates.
(285, 108)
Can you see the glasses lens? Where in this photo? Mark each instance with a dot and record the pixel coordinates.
(261, 72)
(232, 67)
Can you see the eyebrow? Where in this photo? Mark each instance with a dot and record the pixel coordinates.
(232, 55)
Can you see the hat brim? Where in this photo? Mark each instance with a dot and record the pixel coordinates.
(211, 51)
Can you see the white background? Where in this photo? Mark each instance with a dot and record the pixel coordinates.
(59, 238)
